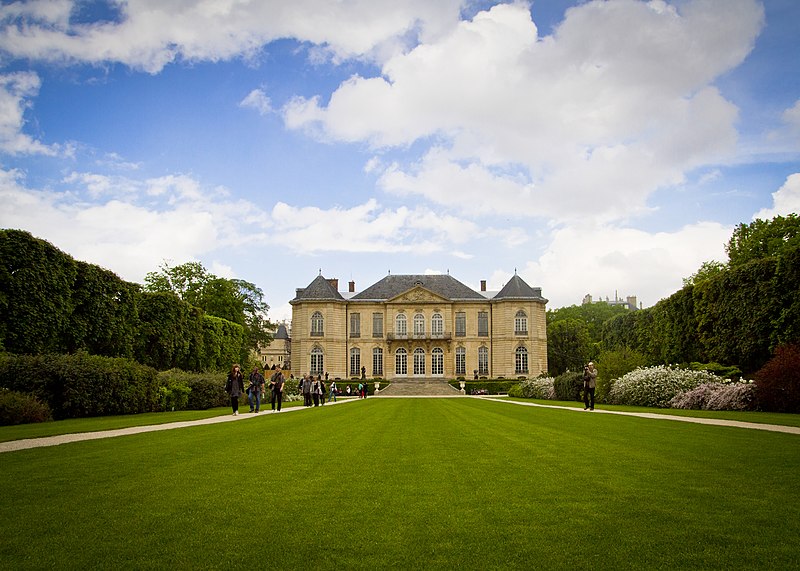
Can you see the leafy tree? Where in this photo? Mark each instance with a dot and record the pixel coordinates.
(569, 346)
(763, 239)
(707, 270)
(592, 314)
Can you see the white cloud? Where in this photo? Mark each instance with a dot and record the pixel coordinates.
(258, 100)
(591, 120)
(786, 200)
(150, 34)
(792, 116)
(602, 260)
(16, 89)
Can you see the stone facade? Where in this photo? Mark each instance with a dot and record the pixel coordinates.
(419, 326)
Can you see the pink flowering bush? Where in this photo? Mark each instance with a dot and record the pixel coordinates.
(656, 386)
(717, 396)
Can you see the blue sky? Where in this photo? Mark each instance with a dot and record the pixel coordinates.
(592, 147)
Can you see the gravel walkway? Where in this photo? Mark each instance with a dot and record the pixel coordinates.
(80, 436)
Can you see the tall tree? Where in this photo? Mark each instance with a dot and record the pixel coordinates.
(763, 239)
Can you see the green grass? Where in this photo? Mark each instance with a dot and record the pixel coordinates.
(409, 484)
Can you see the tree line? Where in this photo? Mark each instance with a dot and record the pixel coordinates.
(735, 314)
(51, 303)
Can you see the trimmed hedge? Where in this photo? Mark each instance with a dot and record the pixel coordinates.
(82, 385)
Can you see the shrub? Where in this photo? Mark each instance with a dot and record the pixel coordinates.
(614, 364)
(724, 371)
(656, 386)
(21, 408)
(778, 382)
(717, 396)
(568, 386)
(540, 388)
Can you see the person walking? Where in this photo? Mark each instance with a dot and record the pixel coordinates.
(589, 386)
(256, 390)
(332, 392)
(307, 382)
(322, 391)
(276, 383)
(315, 391)
(234, 386)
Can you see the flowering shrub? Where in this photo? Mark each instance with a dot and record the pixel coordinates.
(656, 386)
(717, 396)
(540, 388)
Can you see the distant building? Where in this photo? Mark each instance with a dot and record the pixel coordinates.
(419, 326)
(629, 302)
(279, 352)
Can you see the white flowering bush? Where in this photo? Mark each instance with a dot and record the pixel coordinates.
(718, 396)
(539, 388)
(656, 386)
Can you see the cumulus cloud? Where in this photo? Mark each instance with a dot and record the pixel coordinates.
(149, 34)
(258, 100)
(785, 201)
(616, 104)
(16, 91)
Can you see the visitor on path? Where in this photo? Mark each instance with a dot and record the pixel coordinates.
(256, 390)
(276, 384)
(360, 390)
(307, 382)
(589, 385)
(332, 394)
(234, 386)
(322, 391)
(348, 391)
(315, 391)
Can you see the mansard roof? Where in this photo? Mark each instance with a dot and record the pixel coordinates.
(516, 288)
(443, 285)
(281, 333)
(318, 290)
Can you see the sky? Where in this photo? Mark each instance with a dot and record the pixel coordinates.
(592, 147)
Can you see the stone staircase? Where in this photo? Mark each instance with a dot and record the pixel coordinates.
(418, 387)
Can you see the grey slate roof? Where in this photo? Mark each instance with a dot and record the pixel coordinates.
(392, 286)
(318, 290)
(516, 288)
(281, 333)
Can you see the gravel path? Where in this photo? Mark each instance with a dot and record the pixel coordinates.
(77, 437)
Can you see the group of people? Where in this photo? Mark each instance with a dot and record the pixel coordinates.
(256, 390)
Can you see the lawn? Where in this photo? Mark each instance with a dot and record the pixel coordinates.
(409, 484)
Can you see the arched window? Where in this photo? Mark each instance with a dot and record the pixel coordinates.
(521, 323)
(461, 361)
(419, 325)
(355, 361)
(401, 362)
(419, 361)
(437, 362)
(483, 360)
(317, 361)
(521, 360)
(400, 324)
(317, 324)
(437, 325)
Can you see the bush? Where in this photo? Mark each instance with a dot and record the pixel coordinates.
(614, 364)
(717, 396)
(20, 408)
(724, 371)
(778, 382)
(539, 388)
(656, 386)
(568, 386)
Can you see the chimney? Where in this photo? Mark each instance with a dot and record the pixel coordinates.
(352, 287)
(483, 285)
(334, 283)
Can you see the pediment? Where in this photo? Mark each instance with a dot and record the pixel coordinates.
(417, 294)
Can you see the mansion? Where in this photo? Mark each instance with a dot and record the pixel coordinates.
(423, 326)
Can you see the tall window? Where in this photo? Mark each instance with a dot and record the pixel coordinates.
(521, 360)
(377, 361)
(400, 325)
(419, 325)
(461, 361)
(355, 325)
(437, 325)
(483, 324)
(377, 325)
(483, 360)
(317, 324)
(437, 361)
(355, 361)
(401, 362)
(317, 362)
(419, 361)
(521, 323)
(461, 324)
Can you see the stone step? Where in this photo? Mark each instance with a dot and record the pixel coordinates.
(418, 387)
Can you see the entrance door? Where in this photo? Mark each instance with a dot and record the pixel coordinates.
(419, 362)
(400, 363)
